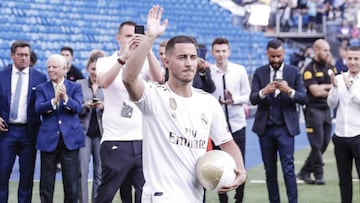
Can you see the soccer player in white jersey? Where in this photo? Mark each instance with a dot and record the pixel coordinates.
(177, 120)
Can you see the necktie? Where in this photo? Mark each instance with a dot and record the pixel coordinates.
(56, 91)
(15, 103)
(274, 76)
(226, 107)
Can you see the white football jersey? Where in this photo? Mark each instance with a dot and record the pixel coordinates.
(175, 134)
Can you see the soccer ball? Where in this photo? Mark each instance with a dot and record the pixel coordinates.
(215, 169)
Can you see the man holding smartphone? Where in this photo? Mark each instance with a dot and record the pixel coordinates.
(232, 92)
(276, 88)
(121, 143)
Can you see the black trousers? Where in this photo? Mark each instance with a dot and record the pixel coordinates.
(318, 127)
(346, 150)
(69, 160)
(121, 162)
(14, 142)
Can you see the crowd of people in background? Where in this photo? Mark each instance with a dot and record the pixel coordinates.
(132, 110)
(313, 14)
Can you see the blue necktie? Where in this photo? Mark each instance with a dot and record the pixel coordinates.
(15, 103)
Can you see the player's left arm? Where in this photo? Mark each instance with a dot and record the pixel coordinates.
(232, 148)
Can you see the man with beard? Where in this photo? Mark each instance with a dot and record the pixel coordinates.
(276, 88)
(317, 113)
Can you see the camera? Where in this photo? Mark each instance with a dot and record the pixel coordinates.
(139, 29)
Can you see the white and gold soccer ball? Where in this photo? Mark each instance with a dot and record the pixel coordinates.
(215, 169)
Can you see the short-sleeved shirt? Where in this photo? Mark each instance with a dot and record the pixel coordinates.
(317, 73)
(175, 134)
(121, 118)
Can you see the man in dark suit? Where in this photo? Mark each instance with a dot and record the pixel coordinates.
(60, 134)
(18, 122)
(276, 88)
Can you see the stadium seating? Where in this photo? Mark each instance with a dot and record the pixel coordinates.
(90, 24)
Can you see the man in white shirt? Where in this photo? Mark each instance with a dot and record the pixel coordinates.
(345, 95)
(232, 91)
(121, 144)
(177, 120)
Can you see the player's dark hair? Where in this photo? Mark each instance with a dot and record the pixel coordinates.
(179, 39)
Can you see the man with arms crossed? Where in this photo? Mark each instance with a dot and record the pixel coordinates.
(317, 112)
(177, 120)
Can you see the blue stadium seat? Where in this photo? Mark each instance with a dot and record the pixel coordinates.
(88, 24)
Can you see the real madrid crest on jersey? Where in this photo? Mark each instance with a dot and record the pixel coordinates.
(204, 119)
(172, 104)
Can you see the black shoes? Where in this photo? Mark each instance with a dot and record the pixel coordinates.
(305, 177)
(319, 181)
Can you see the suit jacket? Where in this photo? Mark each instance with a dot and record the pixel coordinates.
(35, 78)
(85, 113)
(291, 117)
(204, 82)
(62, 121)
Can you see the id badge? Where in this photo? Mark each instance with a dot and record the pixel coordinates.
(126, 111)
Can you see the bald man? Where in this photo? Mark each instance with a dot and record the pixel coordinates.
(317, 113)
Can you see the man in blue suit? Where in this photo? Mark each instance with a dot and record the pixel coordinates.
(60, 134)
(276, 88)
(18, 122)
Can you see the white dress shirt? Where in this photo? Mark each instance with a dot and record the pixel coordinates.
(348, 105)
(22, 112)
(237, 83)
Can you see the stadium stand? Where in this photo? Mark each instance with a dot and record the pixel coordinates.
(88, 24)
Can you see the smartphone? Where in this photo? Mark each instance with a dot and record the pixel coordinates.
(94, 100)
(202, 52)
(278, 79)
(139, 29)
